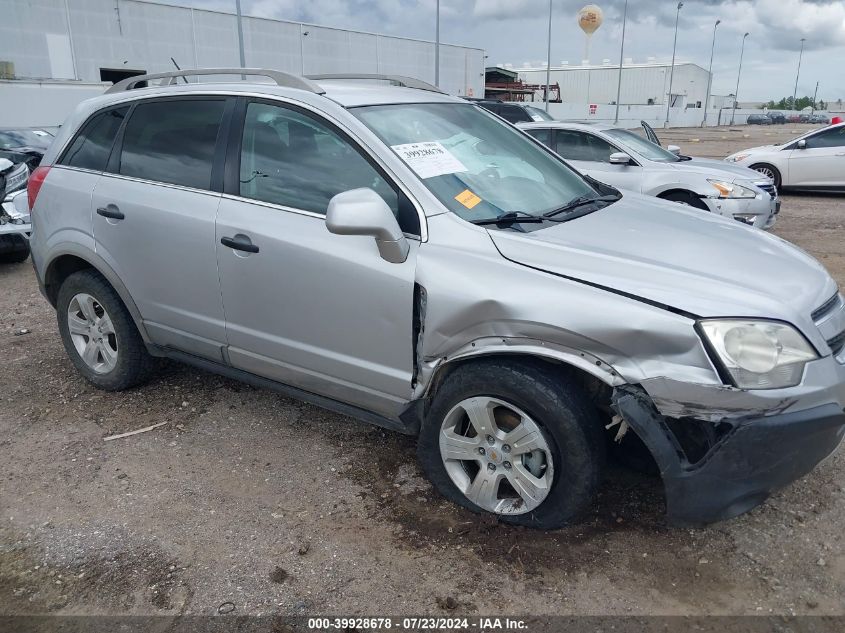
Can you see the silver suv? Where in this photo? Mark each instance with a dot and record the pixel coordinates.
(390, 252)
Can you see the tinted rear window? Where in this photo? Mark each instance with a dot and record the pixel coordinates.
(91, 147)
(172, 141)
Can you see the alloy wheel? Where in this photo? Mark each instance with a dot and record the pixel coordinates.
(92, 333)
(496, 455)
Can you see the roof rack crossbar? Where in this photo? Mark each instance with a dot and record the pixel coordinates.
(287, 80)
(396, 80)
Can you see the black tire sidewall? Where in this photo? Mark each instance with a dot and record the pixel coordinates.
(565, 417)
(131, 354)
(775, 171)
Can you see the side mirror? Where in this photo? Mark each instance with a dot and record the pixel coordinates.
(364, 212)
(674, 149)
(802, 144)
(620, 158)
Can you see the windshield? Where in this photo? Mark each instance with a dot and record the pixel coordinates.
(12, 139)
(538, 115)
(476, 165)
(643, 147)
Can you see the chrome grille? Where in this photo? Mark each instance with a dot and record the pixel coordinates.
(837, 343)
(769, 189)
(826, 308)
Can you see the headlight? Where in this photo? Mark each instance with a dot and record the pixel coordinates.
(732, 190)
(759, 354)
(737, 157)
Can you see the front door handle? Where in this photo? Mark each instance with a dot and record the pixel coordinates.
(240, 243)
(111, 211)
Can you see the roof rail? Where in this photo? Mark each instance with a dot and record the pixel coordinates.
(396, 80)
(281, 78)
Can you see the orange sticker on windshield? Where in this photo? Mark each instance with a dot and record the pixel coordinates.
(468, 198)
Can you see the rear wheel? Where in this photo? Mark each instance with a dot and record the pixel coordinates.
(99, 334)
(513, 439)
(770, 171)
(685, 197)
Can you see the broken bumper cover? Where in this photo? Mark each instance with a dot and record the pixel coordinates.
(755, 458)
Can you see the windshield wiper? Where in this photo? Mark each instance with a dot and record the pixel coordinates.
(511, 217)
(582, 201)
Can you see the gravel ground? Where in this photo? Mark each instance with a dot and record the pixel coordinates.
(266, 505)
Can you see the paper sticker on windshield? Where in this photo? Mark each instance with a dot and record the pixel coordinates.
(429, 159)
(468, 198)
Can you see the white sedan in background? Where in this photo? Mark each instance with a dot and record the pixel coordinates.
(814, 161)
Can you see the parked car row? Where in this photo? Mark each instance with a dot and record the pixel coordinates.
(778, 118)
(411, 259)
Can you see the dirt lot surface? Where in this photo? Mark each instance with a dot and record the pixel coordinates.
(266, 505)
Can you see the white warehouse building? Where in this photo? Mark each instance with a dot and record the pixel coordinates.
(106, 40)
(642, 84)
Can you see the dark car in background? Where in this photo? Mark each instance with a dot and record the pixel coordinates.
(819, 119)
(513, 112)
(24, 145)
(778, 118)
(758, 119)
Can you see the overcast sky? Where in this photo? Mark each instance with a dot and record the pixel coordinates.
(514, 31)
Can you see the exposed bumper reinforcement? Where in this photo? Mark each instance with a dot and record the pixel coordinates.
(757, 457)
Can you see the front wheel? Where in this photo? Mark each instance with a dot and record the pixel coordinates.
(685, 197)
(16, 249)
(513, 439)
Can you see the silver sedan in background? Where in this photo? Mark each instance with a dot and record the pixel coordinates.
(626, 160)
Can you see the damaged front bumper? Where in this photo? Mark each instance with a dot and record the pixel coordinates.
(725, 457)
(14, 217)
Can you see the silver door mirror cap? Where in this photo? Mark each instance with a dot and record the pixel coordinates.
(364, 212)
(676, 150)
(802, 144)
(620, 158)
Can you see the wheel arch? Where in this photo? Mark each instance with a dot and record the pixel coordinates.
(71, 260)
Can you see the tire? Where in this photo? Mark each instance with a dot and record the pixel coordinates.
(769, 170)
(119, 360)
(19, 250)
(566, 427)
(685, 197)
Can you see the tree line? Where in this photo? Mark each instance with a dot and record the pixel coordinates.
(788, 103)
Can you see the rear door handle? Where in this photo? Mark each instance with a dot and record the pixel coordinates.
(240, 243)
(111, 211)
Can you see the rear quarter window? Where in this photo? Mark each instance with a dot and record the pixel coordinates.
(92, 145)
(172, 141)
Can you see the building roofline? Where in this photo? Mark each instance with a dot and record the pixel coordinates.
(310, 24)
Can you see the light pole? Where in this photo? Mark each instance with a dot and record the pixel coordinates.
(240, 34)
(437, 47)
(621, 58)
(549, 59)
(738, 74)
(797, 73)
(710, 74)
(672, 71)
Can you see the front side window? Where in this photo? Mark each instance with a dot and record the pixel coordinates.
(575, 145)
(292, 159)
(828, 138)
(92, 146)
(513, 114)
(477, 166)
(643, 147)
(543, 135)
(172, 141)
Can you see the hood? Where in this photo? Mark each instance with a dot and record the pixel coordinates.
(760, 149)
(692, 261)
(719, 168)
